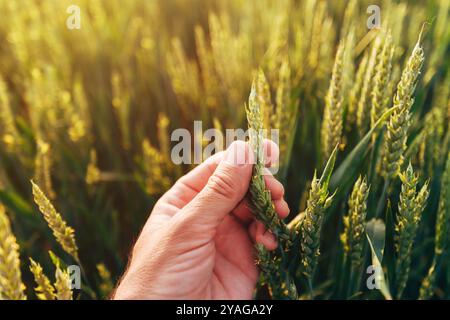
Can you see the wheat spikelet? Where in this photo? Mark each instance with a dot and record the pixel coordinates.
(354, 222)
(383, 68)
(410, 208)
(11, 286)
(62, 285)
(44, 289)
(311, 226)
(62, 232)
(399, 122)
(332, 119)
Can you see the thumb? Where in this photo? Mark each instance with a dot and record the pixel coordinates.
(226, 187)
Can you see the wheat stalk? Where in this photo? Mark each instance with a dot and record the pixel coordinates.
(44, 289)
(11, 286)
(62, 232)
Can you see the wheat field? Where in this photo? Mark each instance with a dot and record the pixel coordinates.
(363, 116)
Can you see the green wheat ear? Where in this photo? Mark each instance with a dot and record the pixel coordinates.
(410, 209)
(399, 122)
(442, 238)
(332, 121)
(260, 200)
(311, 222)
(354, 222)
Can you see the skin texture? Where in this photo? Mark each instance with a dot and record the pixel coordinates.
(199, 240)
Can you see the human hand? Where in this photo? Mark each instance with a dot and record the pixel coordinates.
(199, 240)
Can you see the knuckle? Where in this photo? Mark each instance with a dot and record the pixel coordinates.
(223, 184)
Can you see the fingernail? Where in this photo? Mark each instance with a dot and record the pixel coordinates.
(236, 154)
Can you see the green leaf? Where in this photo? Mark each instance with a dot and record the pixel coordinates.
(326, 174)
(376, 232)
(17, 204)
(349, 167)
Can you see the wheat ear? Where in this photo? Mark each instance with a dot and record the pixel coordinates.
(442, 239)
(354, 222)
(311, 226)
(399, 122)
(260, 199)
(11, 286)
(62, 232)
(383, 69)
(332, 120)
(44, 289)
(410, 208)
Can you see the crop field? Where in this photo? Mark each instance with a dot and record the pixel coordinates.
(358, 91)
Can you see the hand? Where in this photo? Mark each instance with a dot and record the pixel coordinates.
(199, 240)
